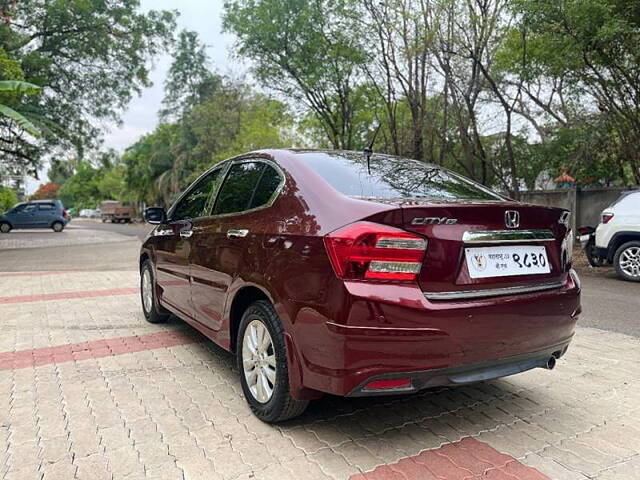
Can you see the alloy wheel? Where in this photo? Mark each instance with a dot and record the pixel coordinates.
(147, 290)
(630, 261)
(259, 361)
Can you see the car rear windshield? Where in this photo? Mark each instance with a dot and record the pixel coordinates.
(392, 177)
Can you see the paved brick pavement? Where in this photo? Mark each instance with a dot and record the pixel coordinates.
(89, 390)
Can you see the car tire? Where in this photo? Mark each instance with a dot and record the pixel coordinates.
(5, 227)
(627, 261)
(153, 312)
(591, 252)
(269, 398)
(57, 227)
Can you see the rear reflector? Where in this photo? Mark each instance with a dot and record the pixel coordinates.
(606, 217)
(371, 251)
(389, 384)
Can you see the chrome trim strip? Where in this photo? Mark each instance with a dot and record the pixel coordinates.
(492, 292)
(507, 236)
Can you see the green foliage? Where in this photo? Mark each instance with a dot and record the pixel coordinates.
(8, 199)
(111, 183)
(592, 48)
(13, 90)
(59, 171)
(91, 57)
(233, 120)
(81, 190)
(189, 81)
(304, 50)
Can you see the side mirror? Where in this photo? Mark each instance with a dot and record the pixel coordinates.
(155, 215)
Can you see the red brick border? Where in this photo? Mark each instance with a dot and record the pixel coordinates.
(468, 459)
(96, 349)
(68, 295)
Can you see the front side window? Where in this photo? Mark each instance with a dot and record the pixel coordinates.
(194, 203)
(19, 208)
(392, 178)
(248, 185)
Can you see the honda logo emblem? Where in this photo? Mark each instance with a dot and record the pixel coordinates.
(512, 218)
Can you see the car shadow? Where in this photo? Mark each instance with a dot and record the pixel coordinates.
(481, 406)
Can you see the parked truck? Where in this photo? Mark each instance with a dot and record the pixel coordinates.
(115, 212)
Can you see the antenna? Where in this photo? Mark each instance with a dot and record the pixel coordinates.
(368, 151)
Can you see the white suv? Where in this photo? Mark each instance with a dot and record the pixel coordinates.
(618, 235)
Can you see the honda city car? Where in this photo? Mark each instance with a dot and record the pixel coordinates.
(360, 274)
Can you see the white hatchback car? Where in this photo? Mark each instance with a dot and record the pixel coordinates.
(618, 235)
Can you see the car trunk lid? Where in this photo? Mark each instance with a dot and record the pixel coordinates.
(468, 241)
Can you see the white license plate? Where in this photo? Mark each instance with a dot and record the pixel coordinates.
(488, 262)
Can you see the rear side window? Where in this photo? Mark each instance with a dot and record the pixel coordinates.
(248, 185)
(267, 186)
(392, 177)
(46, 206)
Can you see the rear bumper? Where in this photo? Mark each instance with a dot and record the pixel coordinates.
(463, 374)
(394, 331)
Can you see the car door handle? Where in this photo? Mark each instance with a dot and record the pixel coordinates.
(237, 233)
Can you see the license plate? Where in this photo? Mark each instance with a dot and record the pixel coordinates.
(488, 262)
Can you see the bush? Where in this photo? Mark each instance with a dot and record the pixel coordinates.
(8, 199)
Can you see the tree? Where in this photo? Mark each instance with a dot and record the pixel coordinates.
(593, 48)
(90, 57)
(59, 171)
(81, 190)
(400, 65)
(189, 81)
(46, 191)
(235, 119)
(304, 50)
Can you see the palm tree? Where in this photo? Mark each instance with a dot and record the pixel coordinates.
(18, 87)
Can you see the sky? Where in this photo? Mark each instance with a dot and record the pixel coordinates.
(205, 18)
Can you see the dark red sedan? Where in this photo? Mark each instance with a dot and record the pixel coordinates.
(356, 274)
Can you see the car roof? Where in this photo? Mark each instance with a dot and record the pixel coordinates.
(53, 200)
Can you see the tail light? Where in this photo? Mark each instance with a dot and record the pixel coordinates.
(65, 214)
(606, 217)
(370, 251)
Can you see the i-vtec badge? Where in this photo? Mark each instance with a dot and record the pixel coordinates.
(434, 221)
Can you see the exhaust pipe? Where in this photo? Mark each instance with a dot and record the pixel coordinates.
(551, 363)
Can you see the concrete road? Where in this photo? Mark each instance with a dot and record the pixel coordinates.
(610, 303)
(139, 230)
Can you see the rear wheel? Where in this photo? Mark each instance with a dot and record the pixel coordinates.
(153, 313)
(57, 227)
(262, 361)
(627, 261)
(5, 227)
